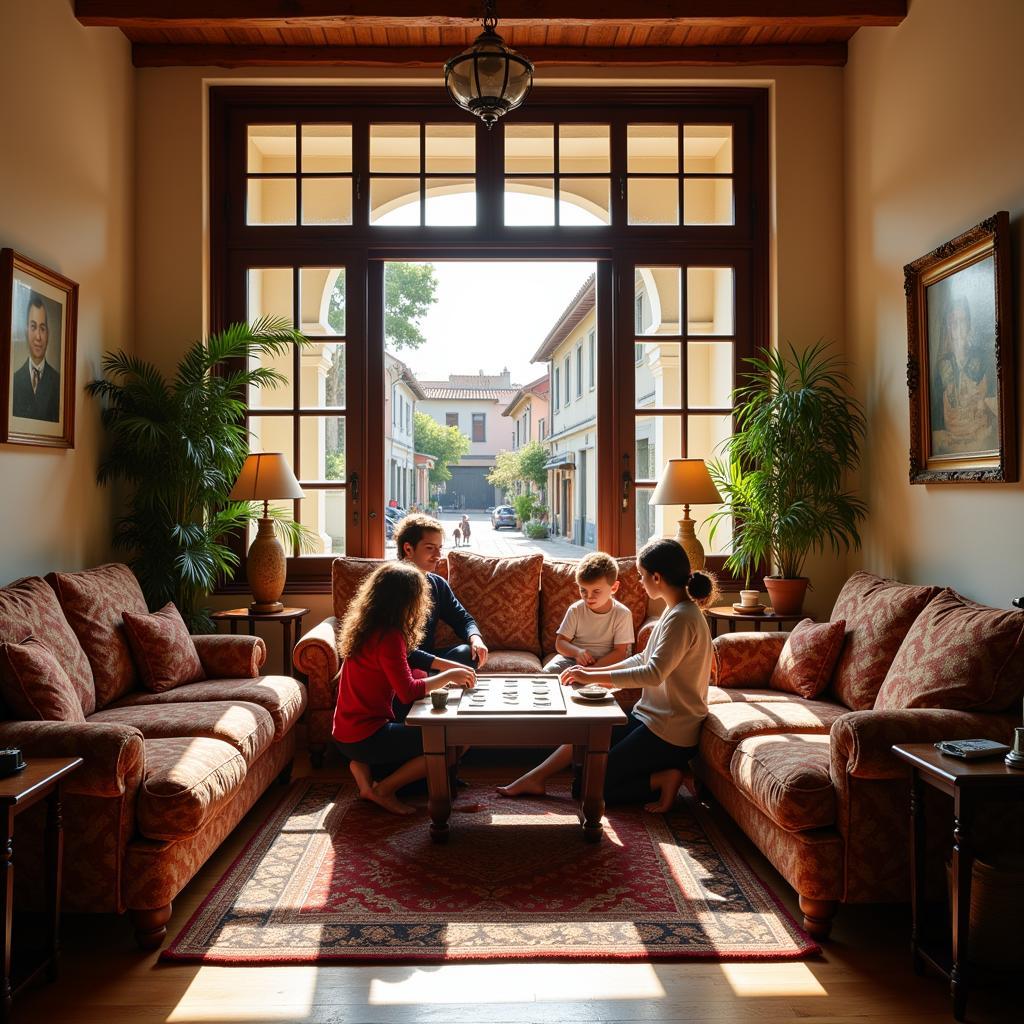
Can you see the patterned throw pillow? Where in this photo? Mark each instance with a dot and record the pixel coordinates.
(958, 655)
(502, 594)
(347, 575)
(164, 652)
(34, 686)
(806, 662)
(745, 659)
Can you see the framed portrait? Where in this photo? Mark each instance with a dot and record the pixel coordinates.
(38, 319)
(960, 367)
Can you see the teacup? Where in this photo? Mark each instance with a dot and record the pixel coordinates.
(750, 598)
(439, 698)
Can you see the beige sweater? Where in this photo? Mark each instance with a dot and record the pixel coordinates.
(673, 670)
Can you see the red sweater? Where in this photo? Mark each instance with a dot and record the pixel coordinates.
(370, 679)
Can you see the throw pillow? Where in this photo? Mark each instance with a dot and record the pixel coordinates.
(34, 685)
(806, 662)
(958, 655)
(163, 650)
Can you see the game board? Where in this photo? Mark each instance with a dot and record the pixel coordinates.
(513, 695)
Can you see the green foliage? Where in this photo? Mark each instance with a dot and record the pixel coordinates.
(536, 530)
(532, 458)
(505, 474)
(410, 289)
(179, 444)
(798, 434)
(524, 506)
(446, 444)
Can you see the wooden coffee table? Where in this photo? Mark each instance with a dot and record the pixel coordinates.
(588, 727)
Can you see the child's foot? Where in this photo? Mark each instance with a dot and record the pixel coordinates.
(364, 780)
(388, 801)
(467, 807)
(667, 784)
(524, 787)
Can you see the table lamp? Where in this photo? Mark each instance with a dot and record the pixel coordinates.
(266, 477)
(687, 482)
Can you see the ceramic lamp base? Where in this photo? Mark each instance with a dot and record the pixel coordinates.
(266, 569)
(266, 607)
(686, 538)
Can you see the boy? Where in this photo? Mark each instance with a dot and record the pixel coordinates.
(597, 630)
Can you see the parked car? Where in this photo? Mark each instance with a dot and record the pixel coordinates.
(503, 515)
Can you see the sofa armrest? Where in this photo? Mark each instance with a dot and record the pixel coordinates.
(114, 756)
(230, 656)
(862, 741)
(746, 659)
(644, 634)
(316, 654)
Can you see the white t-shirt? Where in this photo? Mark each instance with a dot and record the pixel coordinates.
(597, 634)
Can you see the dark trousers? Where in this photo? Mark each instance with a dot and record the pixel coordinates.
(462, 653)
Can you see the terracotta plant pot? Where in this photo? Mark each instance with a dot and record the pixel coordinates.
(787, 596)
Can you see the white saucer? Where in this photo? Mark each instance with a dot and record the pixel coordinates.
(596, 699)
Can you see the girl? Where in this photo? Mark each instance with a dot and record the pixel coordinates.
(383, 623)
(649, 753)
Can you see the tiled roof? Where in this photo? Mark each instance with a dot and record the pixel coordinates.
(443, 390)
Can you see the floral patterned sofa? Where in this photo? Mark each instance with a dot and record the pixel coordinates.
(813, 782)
(167, 775)
(518, 603)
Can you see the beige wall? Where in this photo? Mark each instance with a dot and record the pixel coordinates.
(66, 201)
(935, 143)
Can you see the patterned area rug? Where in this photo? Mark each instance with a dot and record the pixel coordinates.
(329, 878)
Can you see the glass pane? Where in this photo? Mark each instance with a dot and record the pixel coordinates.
(322, 452)
(709, 374)
(584, 201)
(657, 298)
(451, 201)
(723, 532)
(584, 149)
(708, 201)
(395, 201)
(646, 514)
(658, 439)
(707, 148)
(269, 293)
(323, 512)
(529, 149)
(322, 300)
(657, 378)
(529, 201)
(326, 200)
(451, 149)
(272, 434)
(326, 147)
(271, 149)
(653, 201)
(710, 300)
(705, 436)
(322, 375)
(395, 148)
(270, 201)
(652, 148)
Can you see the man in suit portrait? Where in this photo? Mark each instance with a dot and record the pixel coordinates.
(37, 383)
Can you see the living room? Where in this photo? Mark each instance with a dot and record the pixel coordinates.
(876, 158)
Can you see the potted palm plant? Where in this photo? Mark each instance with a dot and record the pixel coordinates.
(782, 475)
(179, 444)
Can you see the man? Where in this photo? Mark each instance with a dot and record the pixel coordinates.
(37, 383)
(419, 539)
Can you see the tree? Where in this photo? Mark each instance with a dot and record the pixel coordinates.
(532, 460)
(506, 473)
(410, 289)
(446, 444)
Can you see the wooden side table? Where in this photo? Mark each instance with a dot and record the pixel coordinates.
(40, 780)
(291, 626)
(966, 782)
(727, 614)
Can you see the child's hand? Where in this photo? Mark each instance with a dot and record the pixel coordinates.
(573, 674)
(584, 658)
(461, 677)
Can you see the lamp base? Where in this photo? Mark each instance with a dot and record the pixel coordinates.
(686, 538)
(266, 569)
(266, 607)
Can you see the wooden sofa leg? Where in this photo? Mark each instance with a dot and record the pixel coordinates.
(284, 776)
(316, 754)
(151, 926)
(818, 916)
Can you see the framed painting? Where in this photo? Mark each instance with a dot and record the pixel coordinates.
(960, 367)
(38, 320)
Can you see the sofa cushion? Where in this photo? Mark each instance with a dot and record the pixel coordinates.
(808, 658)
(164, 652)
(727, 725)
(188, 779)
(513, 662)
(282, 697)
(94, 603)
(958, 655)
(878, 613)
(746, 659)
(34, 685)
(787, 777)
(558, 590)
(28, 607)
(347, 574)
(718, 695)
(247, 727)
(502, 595)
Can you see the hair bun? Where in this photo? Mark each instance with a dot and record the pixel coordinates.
(701, 586)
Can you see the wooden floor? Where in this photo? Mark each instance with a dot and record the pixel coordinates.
(864, 976)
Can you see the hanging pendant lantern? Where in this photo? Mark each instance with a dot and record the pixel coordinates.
(488, 79)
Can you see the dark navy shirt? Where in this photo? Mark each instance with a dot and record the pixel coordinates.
(447, 608)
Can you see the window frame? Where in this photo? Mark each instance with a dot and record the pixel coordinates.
(479, 419)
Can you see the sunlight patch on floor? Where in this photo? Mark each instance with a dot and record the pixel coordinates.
(772, 979)
(291, 996)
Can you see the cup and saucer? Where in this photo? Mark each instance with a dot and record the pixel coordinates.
(592, 694)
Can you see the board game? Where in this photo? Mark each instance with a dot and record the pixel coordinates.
(513, 695)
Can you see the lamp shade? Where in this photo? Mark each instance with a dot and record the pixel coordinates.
(265, 476)
(685, 482)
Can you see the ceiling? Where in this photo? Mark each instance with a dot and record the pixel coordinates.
(552, 33)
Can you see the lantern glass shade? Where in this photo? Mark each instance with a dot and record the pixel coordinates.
(488, 79)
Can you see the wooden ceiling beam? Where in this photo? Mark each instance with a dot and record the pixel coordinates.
(433, 13)
(153, 55)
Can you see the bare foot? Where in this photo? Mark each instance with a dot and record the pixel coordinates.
(467, 807)
(667, 784)
(524, 787)
(364, 780)
(388, 801)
